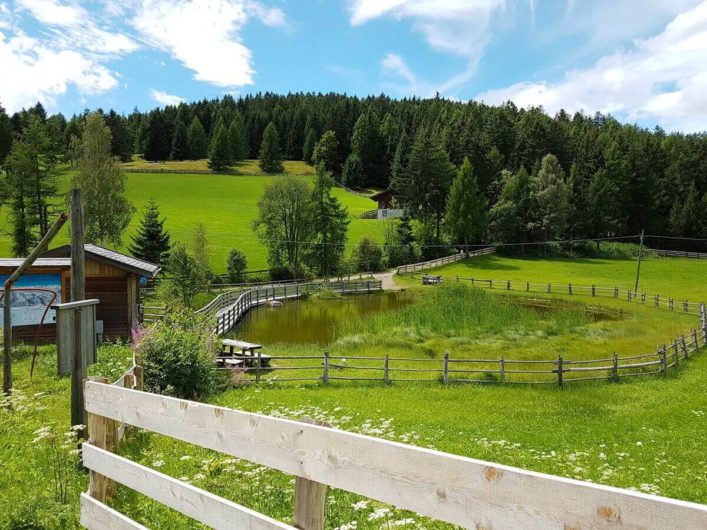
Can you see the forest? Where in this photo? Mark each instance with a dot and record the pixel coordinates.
(529, 177)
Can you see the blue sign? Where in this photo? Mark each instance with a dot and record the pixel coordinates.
(28, 305)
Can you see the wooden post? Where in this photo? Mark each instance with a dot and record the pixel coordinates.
(664, 360)
(527, 286)
(139, 381)
(675, 353)
(257, 368)
(445, 372)
(78, 292)
(559, 370)
(594, 290)
(640, 256)
(616, 292)
(386, 369)
(508, 285)
(569, 288)
(502, 364)
(683, 344)
(310, 499)
(695, 343)
(325, 376)
(615, 367)
(549, 287)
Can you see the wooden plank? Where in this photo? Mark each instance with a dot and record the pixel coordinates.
(198, 504)
(97, 516)
(459, 490)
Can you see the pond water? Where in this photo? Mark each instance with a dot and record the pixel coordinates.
(313, 321)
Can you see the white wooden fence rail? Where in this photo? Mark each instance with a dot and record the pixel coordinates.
(463, 491)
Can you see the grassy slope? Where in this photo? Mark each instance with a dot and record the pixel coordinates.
(226, 204)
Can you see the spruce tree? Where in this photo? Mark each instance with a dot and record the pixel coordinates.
(5, 135)
(270, 155)
(330, 222)
(308, 149)
(220, 150)
(237, 138)
(352, 174)
(151, 242)
(157, 145)
(180, 142)
(464, 216)
(196, 136)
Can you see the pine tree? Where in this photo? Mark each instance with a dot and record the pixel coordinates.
(465, 216)
(151, 242)
(180, 142)
(369, 145)
(270, 155)
(157, 144)
(121, 143)
(5, 135)
(352, 174)
(237, 138)
(330, 223)
(220, 150)
(308, 149)
(107, 211)
(236, 265)
(326, 151)
(399, 164)
(197, 140)
(550, 199)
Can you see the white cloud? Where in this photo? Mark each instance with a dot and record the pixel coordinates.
(662, 78)
(39, 72)
(163, 98)
(204, 35)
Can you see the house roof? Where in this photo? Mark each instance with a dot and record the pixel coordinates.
(381, 194)
(53, 263)
(111, 257)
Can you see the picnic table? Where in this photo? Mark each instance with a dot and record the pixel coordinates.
(429, 279)
(235, 353)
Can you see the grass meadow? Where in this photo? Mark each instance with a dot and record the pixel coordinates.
(642, 433)
(226, 204)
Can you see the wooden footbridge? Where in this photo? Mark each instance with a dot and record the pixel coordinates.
(228, 308)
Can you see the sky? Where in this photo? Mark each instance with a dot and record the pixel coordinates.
(643, 61)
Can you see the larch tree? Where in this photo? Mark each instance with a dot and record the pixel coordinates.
(270, 155)
(465, 214)
(198, 148)
(330, 222)
(107, 211)
(326, 151)
(151, 242)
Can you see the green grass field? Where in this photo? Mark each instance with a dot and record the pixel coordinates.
(644, 433)
(226, 204)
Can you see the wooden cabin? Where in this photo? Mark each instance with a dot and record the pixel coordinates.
(111, 277)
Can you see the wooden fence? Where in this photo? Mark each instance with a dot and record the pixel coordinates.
(431, 264)
(680, 254)
(462, 491)
(229, 307)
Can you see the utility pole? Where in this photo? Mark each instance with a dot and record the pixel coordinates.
(640, 255)
(78, 293)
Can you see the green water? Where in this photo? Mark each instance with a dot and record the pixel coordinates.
(313, 321)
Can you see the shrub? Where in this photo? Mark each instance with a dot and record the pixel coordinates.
(177, 357)
(236, 265)
(368, 256)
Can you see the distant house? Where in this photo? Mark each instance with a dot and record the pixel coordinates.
(111, 277)
(386, 202)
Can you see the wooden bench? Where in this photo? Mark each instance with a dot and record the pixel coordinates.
(428, 279)
(245, 352)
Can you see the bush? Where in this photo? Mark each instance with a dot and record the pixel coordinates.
(368, 256)
(177, 357)
(236, 265)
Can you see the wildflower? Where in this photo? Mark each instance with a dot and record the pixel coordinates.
(378, 513)
(185, 457)
(348, 526)
(360, 505)
(400, 522)
(639, 444)
(158, 463)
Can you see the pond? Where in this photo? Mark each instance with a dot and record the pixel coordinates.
(313, 321)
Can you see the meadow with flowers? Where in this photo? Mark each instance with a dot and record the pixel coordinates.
(645, 433)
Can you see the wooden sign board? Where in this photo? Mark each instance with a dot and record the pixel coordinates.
(75, 322)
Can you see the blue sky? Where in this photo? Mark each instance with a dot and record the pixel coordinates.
(643, 61)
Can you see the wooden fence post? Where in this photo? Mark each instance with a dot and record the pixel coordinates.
(508, 285)
(559, 370)
(325, 376)
(594, 290)
(139, 378)
(683, 344)
(616, 292)
(615, 366)
(99, 429)
(310, 499)
(527, 286)
(664, 359)
(628, 295)
(445, 372)
(675, 353)
(569, 288)
(502, 364)
(257, 368)
(549, 287)
(386, 367)
(695, 343)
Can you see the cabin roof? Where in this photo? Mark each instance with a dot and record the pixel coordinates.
(381, 194)
(111, 257)
(49, 263)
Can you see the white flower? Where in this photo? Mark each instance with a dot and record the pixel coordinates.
(360, 505)
(158, 463)
(379, 513)
(639, 444)
(348, 526)
(185, 457)
(399, 522)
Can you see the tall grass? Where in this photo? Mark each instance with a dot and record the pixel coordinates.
(458, 310)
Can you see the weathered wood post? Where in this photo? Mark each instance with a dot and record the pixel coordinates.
(664, 359)
(445, 371)
(508, 285)
(502, 367)
(325, 375)
(683, 345)
(310, 499)
(616, 292)
(594, 290)
(527, 286)
(386, 369)
(675, 353)
(257, 368)
(78, 292)
(139, 378)
(559, 370)
(569, 288)
(615, 367)
(549, 287)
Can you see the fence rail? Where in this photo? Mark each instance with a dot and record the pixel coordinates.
(463, 491)
(229, 307)
(680, 254)
(431, 264)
